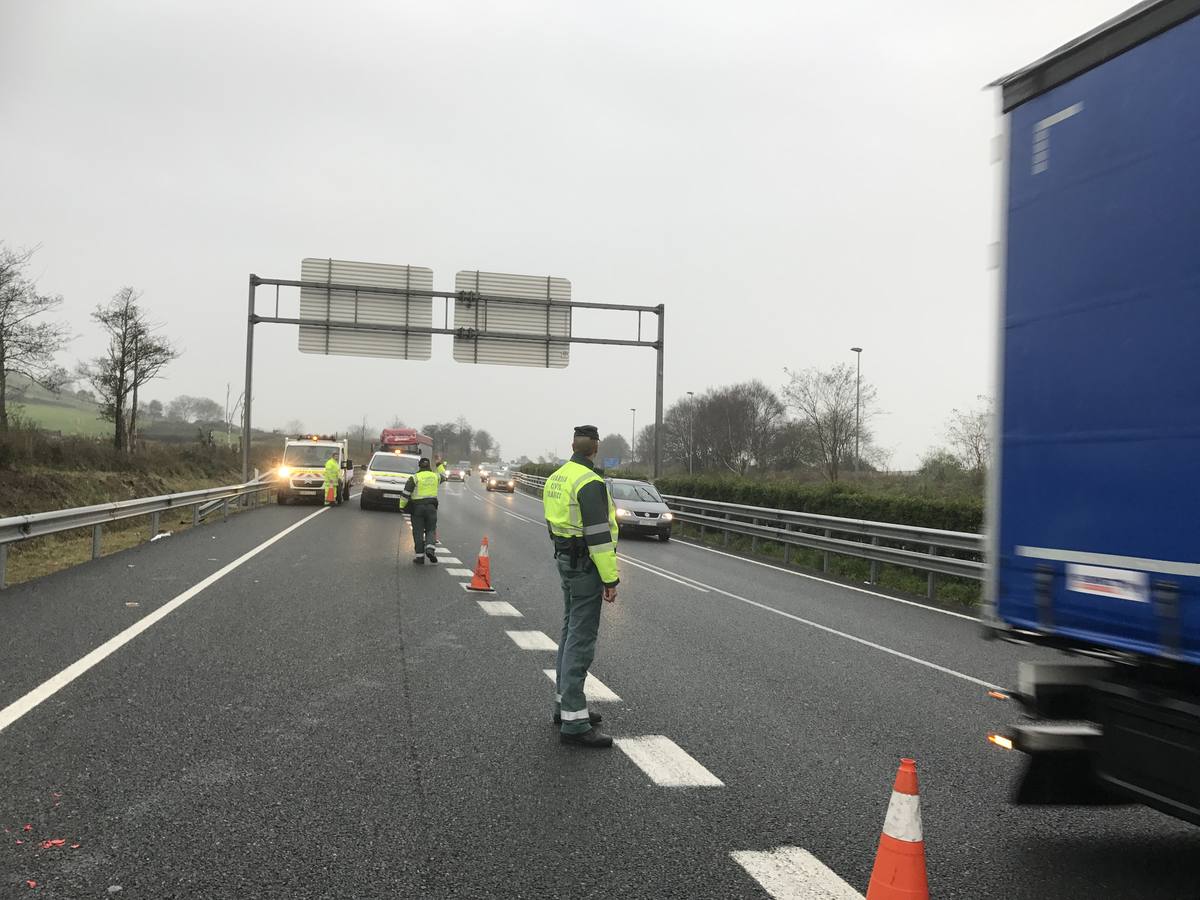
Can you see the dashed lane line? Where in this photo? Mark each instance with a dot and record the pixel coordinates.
(53, 685)
(532, 640)
(499, 608)
(792, 873)
(665, 762)
(460, 573)
(451, 560)
(593, 688)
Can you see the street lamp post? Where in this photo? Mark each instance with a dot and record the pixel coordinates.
(633, 435)
(857, 351)
(691, 430)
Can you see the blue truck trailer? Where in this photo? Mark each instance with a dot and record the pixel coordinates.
(1094, 501)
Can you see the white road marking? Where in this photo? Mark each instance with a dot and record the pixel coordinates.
(654, 570)
(441, 551)
(466, 586)
(514, 515)
(532, 640)
(792, 873)
(593, 688)
(849, 587)
(53, 685)
(665, 762)
(460, 573)
(451, 560)
(842, 634)
(498, 608)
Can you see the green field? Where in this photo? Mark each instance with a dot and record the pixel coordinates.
(81, 419)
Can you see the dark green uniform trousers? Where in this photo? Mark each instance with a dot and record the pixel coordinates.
(424, 524)
(582, 589)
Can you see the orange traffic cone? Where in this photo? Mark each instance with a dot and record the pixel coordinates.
(330, 494)
(482, 579)
(899, 872)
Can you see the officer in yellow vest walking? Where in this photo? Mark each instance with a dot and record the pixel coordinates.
(333, 478)
(583, 527)
(420, 498)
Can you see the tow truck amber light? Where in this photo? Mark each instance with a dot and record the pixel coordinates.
(998, 695)
(1000, 741)
(285, 471)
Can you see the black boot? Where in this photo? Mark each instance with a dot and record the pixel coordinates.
(589, 738)
(431, 554)
(594, 717)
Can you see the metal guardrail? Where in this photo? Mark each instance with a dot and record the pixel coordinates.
(15, 529)
(878, 542)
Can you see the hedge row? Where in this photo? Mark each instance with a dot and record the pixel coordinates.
(846, 499)
(545, 470)
(841, 499)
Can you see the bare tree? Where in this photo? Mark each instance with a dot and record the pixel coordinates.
(294, 426)
(825, 401)
(232, 411)
(136, 354)
(970, 434)
(27, 346)
(740, 424)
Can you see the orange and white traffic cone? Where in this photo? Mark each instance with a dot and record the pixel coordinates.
(899, 872)
(330, 494)
(482, 579)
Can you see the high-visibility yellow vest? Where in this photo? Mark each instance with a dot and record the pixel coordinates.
(427, 485)
(333, 472)
(560, 500)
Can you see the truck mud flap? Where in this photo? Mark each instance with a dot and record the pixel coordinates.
(1063, 779)
(1151, 747)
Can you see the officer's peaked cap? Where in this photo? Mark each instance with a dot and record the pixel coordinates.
(589, 431)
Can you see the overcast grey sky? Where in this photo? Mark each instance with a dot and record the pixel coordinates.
(789, 178)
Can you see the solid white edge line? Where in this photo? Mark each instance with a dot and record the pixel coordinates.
(594, 689)
(665, 762)
(53, 685)
(532, 640)
(850, 637)
(653, 571)
(850, 587)
(792, 873)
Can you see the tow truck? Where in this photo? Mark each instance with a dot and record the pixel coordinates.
(302, 469)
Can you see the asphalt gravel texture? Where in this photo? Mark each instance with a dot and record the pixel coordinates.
(329, 720)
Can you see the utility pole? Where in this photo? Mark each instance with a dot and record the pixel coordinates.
(857, 351)
(633, 435)
(691, 430)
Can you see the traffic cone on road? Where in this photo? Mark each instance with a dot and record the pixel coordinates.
(899, 872)
(482, 579)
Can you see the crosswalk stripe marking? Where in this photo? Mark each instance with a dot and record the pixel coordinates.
(441, 550)
(792, 873)
(532, 640)
(498, 608)
(461, 573)
(451, 560)
(665, 762)
(593, 688)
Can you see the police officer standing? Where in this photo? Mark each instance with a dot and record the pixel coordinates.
(583, 527)
(420, 498)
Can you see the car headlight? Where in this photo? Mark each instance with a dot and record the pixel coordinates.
(369, 479)
(667, 517)
(622, 513)
(512, 484)
(285, 471)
